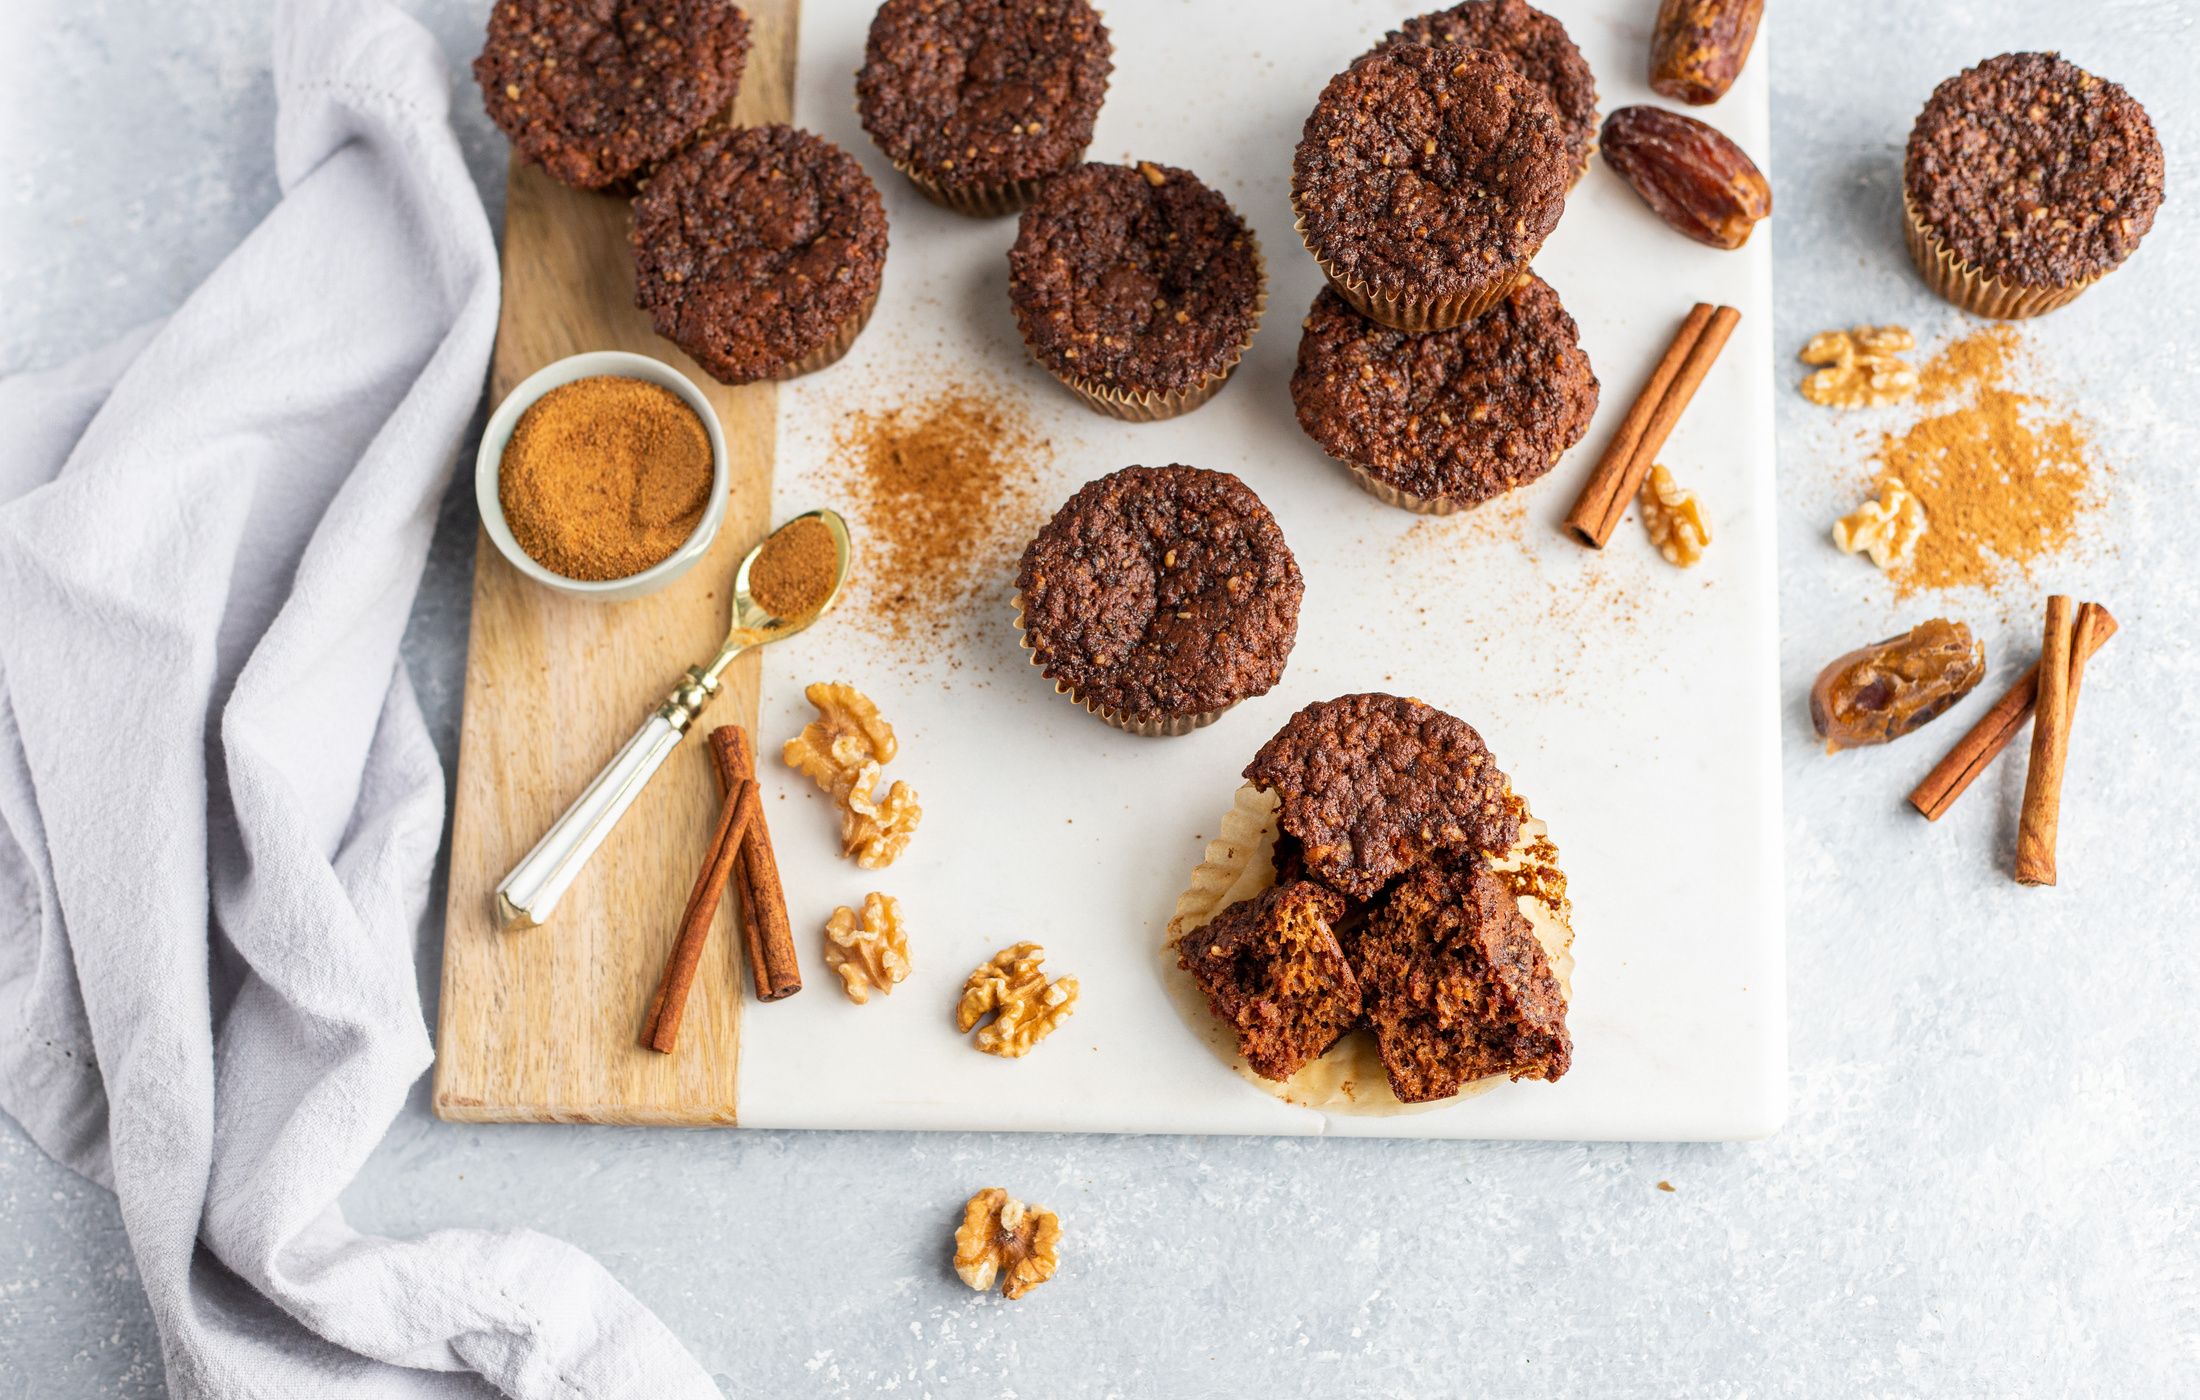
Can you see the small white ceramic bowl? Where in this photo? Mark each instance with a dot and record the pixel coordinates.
(565, 371)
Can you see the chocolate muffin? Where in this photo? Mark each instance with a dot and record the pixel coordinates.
(979, 101)
(1456, 985)
(1273, 972)
(2027, 180)
(598, 94)
(1373, 785)
(1531, 42)
(759, 252)
(1443, 421)
(1138, 287)
(1426, 181)
(1158, 597)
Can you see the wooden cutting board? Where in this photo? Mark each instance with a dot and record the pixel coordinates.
(544, 1025)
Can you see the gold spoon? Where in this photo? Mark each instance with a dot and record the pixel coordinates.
(532, 890)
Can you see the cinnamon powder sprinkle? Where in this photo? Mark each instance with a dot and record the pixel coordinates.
(947, 491)
(2005, 477)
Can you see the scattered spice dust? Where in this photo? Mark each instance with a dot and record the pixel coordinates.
(947, 489)
(2006, 477)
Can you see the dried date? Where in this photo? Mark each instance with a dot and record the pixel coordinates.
(1697, 180)
(1699, 47)
(1897, 686)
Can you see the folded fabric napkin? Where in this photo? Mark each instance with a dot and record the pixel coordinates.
(218, 803)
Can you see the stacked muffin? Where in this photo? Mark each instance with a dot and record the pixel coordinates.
(1437, 367)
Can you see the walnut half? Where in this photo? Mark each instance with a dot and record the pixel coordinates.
(1002, 1237)
(1888, 529)
(1026, 1007)
(1674, 519)
(841, 751)
(871, 954)
(1863, 367)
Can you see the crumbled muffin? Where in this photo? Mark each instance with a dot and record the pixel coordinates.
(1457, 985)
(1273, 971)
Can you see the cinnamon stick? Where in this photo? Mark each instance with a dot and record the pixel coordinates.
(1978, 749)
(1649, 422)
(740, 810)
(765, 929)
(2042, 811)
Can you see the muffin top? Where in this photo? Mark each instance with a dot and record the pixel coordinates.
(983, 92)
(1161, 592)
(1461, 415)
(1140, 278)
(755, 247)
(2034, 171)
(1373, 785)
(1531, 42)
(597, 94)
(1438, 169)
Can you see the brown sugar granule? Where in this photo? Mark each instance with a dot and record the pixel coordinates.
(946, 488)
(794, 572)
(2005, 476)
(604, 477)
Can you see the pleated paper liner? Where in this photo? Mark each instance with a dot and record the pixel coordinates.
(978, 201)
(843, 340)
(1152, 406)
(1400, 310)
(1975, 291)
(1349, 1077)
(1129, 724)
(1390, 495)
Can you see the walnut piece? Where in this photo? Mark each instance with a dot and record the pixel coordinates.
(842, 751)
(1674, 519)
(872, 954)
(1887, 529)
(1863, 367)
(1002, 1237)
(1025, 1006)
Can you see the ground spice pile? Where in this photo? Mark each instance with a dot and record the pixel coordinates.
(604, 477)
(947, 491)
(2005, 476)
(795, 571)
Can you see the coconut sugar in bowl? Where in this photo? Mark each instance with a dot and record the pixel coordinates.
(591, 478)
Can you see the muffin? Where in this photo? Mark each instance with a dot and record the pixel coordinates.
(979, 101)
(2027, 180)
(1440, 422)
(1457, 987)
(1425, 182)
(1533, 43)
(1273, 971)
(1158, 597)
(1372, 786)
(598, 94)
(759, 252)
(1138, 288)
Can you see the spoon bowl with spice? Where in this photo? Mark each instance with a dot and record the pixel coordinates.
(787, 582)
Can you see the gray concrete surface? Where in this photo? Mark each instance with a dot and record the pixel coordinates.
(1986, 1184)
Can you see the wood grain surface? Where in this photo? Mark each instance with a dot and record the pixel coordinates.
(543, 1025)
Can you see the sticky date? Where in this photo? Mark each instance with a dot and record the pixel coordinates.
(1699, 47)
(1891, 688)
(1696, 179)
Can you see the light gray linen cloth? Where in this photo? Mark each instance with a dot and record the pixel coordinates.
(218, 803)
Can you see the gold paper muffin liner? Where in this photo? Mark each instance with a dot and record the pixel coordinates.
(1349, 1077)
(1166, 727)
(1152, 406)
(1400, 310)
(979, 201)
(1974, 290)
(843, 340)
(1390, 495)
